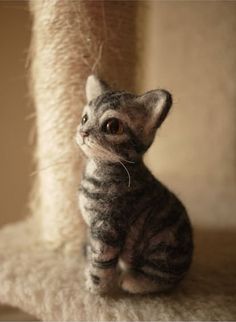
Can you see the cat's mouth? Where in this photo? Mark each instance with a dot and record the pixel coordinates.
(93, 149)
(80, 140)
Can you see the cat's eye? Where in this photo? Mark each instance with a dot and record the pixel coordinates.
(113, 126)
(84, 119)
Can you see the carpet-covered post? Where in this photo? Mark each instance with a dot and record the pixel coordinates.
(70, 40)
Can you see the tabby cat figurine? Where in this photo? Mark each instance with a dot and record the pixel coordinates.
(139, 234)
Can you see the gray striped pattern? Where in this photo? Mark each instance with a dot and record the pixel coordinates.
(134, 222)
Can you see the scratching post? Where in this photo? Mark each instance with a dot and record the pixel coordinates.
(72, 39)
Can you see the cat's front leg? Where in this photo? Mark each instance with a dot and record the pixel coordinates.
(101, 272)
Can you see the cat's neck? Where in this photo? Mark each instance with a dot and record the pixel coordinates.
(101, 169)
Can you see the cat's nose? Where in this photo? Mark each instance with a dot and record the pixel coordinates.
(84, 133)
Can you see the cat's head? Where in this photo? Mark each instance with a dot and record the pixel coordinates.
(118, 126)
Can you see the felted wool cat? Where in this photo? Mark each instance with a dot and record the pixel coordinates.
(139, 234)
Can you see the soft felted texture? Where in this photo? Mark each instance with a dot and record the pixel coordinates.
(50, 284)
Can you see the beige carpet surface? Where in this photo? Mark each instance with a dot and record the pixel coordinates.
(50, 285)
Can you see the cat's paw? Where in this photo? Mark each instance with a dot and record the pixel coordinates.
(128, 283)
(136, 283)
(91, 286)
(94, 284)
(100, 284)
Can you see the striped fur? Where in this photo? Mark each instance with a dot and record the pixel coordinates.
(133, 219)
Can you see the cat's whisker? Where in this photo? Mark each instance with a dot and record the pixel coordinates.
(112, 155)
(116, 158)
(104, 152)
(129, 178)
(128, 161)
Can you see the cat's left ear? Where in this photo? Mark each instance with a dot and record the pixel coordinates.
(95, 87)
(157, 104)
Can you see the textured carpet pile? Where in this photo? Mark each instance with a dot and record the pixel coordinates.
(50, 285)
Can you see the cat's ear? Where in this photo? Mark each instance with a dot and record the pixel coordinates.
(157, 104)
(95, 87)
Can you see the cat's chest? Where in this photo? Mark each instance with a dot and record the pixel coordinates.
(106, 192)
(99, 194)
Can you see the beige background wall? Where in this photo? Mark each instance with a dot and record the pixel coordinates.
(14, 109)
(191, 51)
